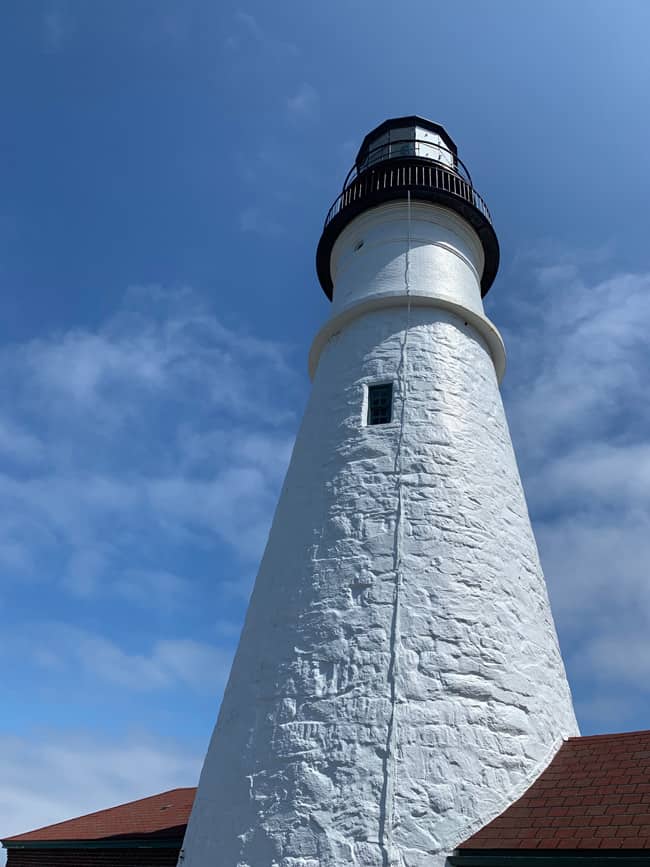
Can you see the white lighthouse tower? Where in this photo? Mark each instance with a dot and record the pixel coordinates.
(398, 680)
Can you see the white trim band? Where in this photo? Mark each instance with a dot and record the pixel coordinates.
(482, 324)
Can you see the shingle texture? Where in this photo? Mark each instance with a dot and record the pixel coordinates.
(160, 816)
(595, 794)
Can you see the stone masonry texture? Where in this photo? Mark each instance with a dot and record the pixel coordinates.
(398, 681)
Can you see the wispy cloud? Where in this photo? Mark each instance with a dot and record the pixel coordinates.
(304, 104)
(166, 423)
(153, 588)
(19, 445)
(57, 25)
(95, 661)
(576, 396)
(249, 23)
(46, 777)
(257, 221)
(246, 29)
(287, 178)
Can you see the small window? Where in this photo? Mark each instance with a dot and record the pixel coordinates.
(380, 403)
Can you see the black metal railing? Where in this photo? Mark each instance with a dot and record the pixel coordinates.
(406, 172)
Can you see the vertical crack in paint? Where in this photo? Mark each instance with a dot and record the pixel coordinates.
(387, 803)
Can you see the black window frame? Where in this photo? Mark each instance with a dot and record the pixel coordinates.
(380, 404)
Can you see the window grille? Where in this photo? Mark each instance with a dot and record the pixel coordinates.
(380, 403)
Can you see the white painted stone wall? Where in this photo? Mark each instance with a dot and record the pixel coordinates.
(445, 255)
(398, 680)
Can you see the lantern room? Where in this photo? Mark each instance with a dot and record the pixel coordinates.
(402, 137)
(408, 158)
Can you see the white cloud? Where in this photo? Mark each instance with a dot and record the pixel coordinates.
(597, 567)
(47, 777)
(153, 588)
(607, 658)
(19, 445)
(304, 104)
(576, 397)
(161, 421)
(85, 569)
(170, 663)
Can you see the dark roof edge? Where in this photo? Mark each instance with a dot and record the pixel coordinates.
(407, 120)
(550, 858)
(132, 843)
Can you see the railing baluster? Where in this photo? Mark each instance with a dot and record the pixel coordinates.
(433, 176)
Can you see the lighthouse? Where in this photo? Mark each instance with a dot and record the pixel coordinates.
(398, 681)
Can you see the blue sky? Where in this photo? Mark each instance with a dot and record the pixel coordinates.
(164, 172)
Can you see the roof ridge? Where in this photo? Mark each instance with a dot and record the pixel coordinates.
(581, 738)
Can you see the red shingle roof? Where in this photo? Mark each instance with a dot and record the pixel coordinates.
(595, 794)
(163, 815)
